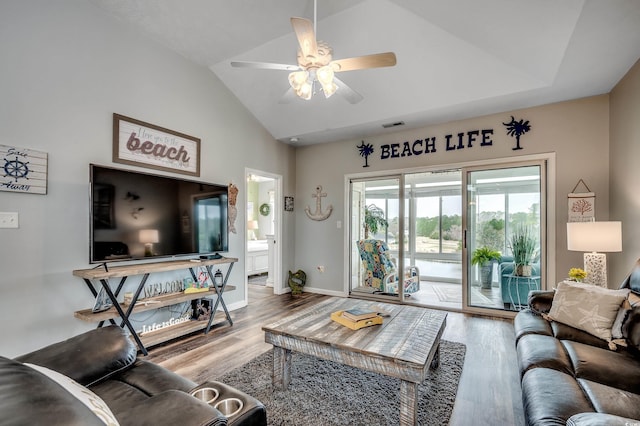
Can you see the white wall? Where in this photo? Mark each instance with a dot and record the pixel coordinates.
(67, 67)
(576, 132)
(625, 173)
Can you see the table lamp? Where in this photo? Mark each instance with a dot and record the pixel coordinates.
(252, 226)
(148, 237)
(591, 238)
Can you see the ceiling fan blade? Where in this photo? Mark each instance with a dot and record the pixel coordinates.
(264, 66)
(347, 92)
(306, 36)
(377, 60)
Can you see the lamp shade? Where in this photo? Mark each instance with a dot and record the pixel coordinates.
(252, 224)
(594, 236)
(149, 236)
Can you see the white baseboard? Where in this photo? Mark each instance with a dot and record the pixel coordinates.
(233, 306)
(325, 292)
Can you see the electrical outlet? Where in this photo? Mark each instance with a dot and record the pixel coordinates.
(8, 219)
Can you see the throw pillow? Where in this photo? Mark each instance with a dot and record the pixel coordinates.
(616, 328)
(586, 307)
(632, 300)
(82, 394)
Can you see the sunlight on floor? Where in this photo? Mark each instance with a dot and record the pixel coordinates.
(449, 296)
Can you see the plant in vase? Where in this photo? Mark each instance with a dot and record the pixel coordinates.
(484, 257)
(373, 220)
(577, 274)
(524, 247)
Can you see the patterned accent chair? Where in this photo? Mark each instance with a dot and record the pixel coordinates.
(380, 269)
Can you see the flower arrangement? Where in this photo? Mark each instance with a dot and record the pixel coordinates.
(577, 274)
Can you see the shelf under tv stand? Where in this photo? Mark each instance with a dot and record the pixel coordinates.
(97, 278)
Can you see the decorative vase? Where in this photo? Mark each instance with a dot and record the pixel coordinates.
(486, 275)
(523, 270)
(296, 281)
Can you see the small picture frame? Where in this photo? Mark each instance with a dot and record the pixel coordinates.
(288, 204)
(582, 206)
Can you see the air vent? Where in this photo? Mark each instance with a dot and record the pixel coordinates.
(396, 124)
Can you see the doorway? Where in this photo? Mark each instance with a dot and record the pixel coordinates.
(263, 255)
(505, 216)
(434, 221)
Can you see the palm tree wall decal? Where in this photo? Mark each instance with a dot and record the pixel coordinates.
(365, 151)
(517, 129)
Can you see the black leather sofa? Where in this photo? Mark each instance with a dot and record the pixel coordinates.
(137, 392)
(571, 377)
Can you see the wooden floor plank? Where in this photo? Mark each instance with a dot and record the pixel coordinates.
(489, 389)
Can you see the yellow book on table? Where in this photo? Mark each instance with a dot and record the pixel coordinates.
(355, 325)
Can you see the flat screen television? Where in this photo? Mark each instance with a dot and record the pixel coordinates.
(137, 216)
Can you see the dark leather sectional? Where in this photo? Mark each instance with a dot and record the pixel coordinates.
(136, 391)
(571, 377)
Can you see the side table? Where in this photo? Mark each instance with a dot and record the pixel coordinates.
(517, 281)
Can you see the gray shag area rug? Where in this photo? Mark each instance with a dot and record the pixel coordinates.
(327, 393)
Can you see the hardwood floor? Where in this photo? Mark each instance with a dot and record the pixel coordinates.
(489, 389)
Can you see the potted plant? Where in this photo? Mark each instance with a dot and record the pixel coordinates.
(484, 257)
(373, 220)
(524, 247)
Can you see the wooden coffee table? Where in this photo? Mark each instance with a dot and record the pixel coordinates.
(405, 346)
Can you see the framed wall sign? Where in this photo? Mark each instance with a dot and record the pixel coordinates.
(582, 205)
(142, 144)
(23, 170)
(288, 204)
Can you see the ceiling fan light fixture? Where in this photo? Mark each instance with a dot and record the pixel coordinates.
(305, 91)
(297, 79)
(325, 75)
(329, 89)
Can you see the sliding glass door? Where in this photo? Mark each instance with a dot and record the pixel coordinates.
(376, 234)
(422, 236)
(437, 224)
(504, 235)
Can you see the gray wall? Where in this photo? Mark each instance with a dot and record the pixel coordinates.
(67, 67)
(575, 132)
(625, 173)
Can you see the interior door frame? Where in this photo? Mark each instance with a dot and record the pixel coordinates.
(278, 203)
(547, 223)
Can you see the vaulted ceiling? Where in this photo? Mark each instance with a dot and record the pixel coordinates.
(455, 58)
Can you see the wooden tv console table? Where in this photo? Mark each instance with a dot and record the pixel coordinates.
(96, 277)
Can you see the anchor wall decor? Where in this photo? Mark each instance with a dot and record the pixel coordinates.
(318, 214)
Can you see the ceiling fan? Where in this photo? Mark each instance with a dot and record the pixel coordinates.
(316, 65)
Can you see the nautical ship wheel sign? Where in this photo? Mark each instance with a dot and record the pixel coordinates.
(23, 170)
(16, 169)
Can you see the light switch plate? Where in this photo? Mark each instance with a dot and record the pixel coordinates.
(8, 219)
